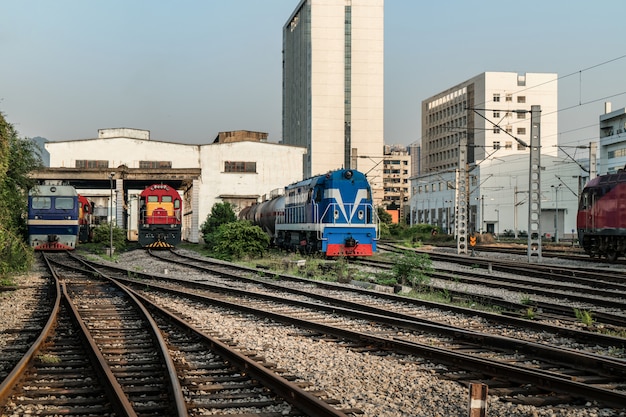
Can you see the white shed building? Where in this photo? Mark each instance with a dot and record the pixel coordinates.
(238, 172)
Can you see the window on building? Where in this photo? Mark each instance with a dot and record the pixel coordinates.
(520, 147)
(496, 145)
(239, 166)
(155, 164)
(521, 114)
(496, 130)
(521, 99)
(496, 114)
(521, 130)
(92, 164)
(508, 145)
(509, 97)
(496, 97)
(509, 129)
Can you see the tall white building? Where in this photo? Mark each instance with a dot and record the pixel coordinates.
(612, 140)
(333, 86)
(492, 110)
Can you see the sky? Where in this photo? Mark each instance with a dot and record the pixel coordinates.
(187, 70)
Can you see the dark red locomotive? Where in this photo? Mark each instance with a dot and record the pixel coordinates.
(601, 218)
(160, 208)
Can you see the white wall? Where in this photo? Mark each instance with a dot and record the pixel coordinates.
(276, 165)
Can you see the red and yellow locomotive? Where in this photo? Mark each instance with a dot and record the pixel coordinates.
(160, 208)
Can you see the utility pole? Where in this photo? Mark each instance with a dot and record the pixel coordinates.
(534, 185)
(461, 194)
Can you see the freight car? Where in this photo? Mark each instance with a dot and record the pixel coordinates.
(53, 217)
(159, 217)
(601, 217)
(332, 214)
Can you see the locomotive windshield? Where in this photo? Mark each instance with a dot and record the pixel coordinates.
(64, 203)
(41, 203)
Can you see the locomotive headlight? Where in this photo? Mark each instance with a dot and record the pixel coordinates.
(336, 214)
(361, 214)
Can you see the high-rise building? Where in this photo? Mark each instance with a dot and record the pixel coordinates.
(333, 86)
(612, 142)
(492, 110)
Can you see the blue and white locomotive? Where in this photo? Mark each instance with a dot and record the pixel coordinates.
(53, 212)
(332, 214)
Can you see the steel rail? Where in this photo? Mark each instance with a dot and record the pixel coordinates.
(175, 390)
(545, 380)
(287, 390)
(18, 371)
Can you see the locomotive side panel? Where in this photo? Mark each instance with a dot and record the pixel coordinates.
(601, 221)
(332, 214)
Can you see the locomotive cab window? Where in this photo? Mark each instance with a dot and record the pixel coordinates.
(153, 199)
(41, 203)
(64, 203)
(166, 199)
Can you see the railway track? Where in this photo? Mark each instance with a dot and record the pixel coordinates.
(136, 355)
(61, 372)
(583, 375)
(596, 291)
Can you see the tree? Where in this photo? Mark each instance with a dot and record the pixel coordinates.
(221, 213)
(383, 215)
(18, 157)
(238, 239)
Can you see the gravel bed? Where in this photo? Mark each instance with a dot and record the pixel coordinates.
(386, 386)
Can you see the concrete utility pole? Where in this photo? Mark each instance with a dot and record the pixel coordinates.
(534, 186)
(593, 154)
(460, 217)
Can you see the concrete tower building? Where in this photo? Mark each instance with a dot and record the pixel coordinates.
(492, 110)
(333, 86)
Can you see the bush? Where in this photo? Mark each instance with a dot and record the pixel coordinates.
(238, 239)
(411, 268)
(102, 235)
(221, 214)
(15, 255)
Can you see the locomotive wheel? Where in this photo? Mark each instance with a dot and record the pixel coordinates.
(611, 256)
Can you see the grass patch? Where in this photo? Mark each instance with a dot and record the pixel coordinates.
(7, 282)
(583, 316)
(48, 358)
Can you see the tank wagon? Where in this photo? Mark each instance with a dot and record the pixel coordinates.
(332, 214)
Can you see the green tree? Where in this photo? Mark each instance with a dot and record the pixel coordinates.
(383, 215)
(238, 239)
(18, 157)
(221, 213)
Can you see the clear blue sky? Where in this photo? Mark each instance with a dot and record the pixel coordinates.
(186, 70)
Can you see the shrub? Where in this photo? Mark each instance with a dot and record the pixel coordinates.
(102, 235)
(221, 214)
(238, 239)
(411, 268)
